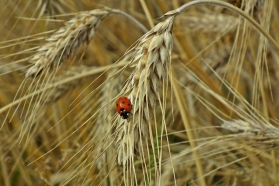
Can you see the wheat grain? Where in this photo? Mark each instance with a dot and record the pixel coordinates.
(64, 42)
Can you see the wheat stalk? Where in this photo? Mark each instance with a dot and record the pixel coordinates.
(65, 42)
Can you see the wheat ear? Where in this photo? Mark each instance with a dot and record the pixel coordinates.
(228, 6)
(151, 61)
(61, 90)
(209, 23)
(66, 41)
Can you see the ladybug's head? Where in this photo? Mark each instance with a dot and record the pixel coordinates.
(124, 114)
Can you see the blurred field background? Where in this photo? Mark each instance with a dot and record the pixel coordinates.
(217, 125)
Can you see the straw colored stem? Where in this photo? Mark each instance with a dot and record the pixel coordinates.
(145, 9)
(190, 132)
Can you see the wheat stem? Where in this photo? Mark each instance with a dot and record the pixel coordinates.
(146, 11)
(181, 103)
(131, 18)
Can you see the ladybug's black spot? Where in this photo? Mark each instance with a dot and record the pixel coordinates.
(122, 109)
(123, 101)
(116, 104)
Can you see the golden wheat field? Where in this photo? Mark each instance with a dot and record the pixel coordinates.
(202, 78)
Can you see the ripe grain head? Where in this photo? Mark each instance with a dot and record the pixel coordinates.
(65, 41)
(144, 88)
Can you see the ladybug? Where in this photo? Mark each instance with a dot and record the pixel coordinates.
(123, 107)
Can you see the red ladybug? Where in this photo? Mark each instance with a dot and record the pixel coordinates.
(123, 107)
